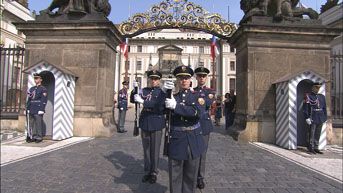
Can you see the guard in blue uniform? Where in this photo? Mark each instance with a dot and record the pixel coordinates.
(36, 102)
(151, 122)
(186, 142)
(122, 106)
(315, 115)
(205, 99)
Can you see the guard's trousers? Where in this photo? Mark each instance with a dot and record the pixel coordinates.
(183, 175)
(202, 161)
(315, 131)
(36, 126)
(122, 115)
(151, 141)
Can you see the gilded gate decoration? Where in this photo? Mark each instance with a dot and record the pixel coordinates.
(177, 14)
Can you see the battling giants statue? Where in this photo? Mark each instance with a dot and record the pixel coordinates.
(279, 9)
(78, 6)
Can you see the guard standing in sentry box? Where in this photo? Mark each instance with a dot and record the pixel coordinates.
(205, 99)
(315, 115)
(151, 122)
(186, 142)
(35, 109)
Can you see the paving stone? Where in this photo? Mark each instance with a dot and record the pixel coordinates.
(116, 165)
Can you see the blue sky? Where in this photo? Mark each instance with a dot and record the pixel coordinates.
(120, 8)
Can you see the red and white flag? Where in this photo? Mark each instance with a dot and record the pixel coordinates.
(214, 48)
(124, 47)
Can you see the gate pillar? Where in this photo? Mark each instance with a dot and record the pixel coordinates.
(266, 52)
(86, 48)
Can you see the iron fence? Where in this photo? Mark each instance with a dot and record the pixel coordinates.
(11, 64)
(337, 86)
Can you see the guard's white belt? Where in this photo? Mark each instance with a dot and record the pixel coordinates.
(190, 128)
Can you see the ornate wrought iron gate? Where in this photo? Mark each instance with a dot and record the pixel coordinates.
(11, 64)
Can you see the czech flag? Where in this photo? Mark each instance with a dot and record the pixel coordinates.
(214, 48)
(124, 47)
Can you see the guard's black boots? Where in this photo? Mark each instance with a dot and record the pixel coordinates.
(311, 151)
(153, 179)
(318, 151)
(201, 184)
(146, 178)
(29, 140)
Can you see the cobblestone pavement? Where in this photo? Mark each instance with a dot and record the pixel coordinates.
(116, 165)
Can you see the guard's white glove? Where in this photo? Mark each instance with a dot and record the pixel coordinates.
(121, 108)
(308, 121)
(171, 103)
(168, 85)
(138, 99)
(40, 112)
(135, 84)
(191, 89)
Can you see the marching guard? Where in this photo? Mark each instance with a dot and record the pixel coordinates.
(186, 143)
(206, 98)
(151, 122)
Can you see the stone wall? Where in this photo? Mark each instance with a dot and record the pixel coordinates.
(267, 51)
(88, 50)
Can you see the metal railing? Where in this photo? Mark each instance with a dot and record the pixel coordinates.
(11, 80)
(337, 86)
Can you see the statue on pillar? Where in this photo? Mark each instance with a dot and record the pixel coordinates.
(279, 9)
(78, 6)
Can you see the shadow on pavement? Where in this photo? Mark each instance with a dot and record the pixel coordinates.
(132, 171)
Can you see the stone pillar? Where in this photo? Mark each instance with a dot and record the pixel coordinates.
(267, 51)
(88, 50)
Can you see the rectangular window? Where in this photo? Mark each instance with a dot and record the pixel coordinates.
(128, 48)
(140, 49)
(232, 49)
(201, 64)
(127, 65)
(232, 84)
(201, 50)
(139, 80)
(195, 50)
(139, 64)
(232, 66)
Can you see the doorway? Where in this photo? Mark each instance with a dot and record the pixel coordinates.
(49, 83)
(304, 86)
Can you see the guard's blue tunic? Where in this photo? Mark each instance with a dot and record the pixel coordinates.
(315, 108)
(205, 100)
(152, 116)
(122, 99)
(186, 133)
(37, 99)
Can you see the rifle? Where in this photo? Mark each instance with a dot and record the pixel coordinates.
(28, 129)
(168, 120)
(137, 107)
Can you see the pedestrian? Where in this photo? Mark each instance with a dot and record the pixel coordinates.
(151, 122)
(231, 109)
(315, 115)
(226, 109)
(122, 106)
(205, 99)
(36, 102)
(186, 142)
(219, 109)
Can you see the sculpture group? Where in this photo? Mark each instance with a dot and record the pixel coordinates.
(279, 9)
(78, 7)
